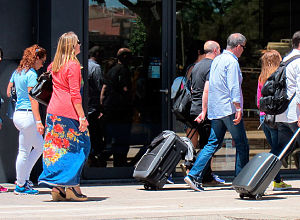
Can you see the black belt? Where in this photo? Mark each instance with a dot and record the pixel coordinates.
(23, 110)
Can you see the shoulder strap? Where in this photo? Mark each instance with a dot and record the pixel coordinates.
(291, 59)
(286, 63)
(187, 71)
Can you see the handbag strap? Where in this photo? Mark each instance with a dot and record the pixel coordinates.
(186, 73)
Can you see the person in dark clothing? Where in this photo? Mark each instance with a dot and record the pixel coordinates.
(194, 55)
(199, 91)
(116, 99)
(95, 79)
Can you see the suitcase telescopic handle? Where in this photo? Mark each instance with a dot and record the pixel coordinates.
(288, 145)
(196, 128)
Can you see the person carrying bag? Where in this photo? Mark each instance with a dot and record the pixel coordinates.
(182, 99)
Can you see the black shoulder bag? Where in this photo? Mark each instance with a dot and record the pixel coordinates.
(42, 91)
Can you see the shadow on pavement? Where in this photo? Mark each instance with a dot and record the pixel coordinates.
(90, 199)
(288, 192)
(45, 192)
(96, 199)
(166, 189)
(264, 198)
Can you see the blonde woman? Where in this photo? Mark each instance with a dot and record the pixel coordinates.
(270, 61)
(67, 141)
(26, 117)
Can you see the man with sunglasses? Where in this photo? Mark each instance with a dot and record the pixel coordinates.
(225, 107)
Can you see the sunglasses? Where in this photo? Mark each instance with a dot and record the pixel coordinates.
(243, 46)
(78, 42)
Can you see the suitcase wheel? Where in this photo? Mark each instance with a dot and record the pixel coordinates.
(150, 187)
(258, 196)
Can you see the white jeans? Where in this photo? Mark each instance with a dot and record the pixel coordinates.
(30, 145)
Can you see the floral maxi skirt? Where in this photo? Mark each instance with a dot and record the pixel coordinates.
(65, 151)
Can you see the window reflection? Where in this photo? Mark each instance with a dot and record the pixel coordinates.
(258, 20)
(137, 25)
(124, 100)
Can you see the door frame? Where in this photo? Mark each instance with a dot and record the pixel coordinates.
(168, 60)
(168, 73)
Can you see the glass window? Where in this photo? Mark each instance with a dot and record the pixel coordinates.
(266, 25)
(124, 98)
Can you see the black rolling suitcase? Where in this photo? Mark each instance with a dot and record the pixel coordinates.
(160, 160)
(257, 175)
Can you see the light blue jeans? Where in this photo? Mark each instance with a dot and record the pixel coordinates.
(218, 130)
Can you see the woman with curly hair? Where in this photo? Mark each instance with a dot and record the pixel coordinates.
(270, 61)
(67, 143)
(27, 117)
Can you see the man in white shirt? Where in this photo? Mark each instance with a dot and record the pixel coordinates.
(289, 121)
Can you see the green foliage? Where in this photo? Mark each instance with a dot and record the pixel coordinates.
(216, 19)
(137, 37)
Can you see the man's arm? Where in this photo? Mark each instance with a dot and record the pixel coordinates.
(297, 96)
(234, 89)
(233, 82)
(97, 77)
(201, 116)
(102, 94)
(238, 113)
(102, 97)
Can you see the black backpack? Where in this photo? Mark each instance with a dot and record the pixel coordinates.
(274, 98)
(182, 100)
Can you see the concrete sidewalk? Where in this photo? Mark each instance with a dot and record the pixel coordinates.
(172, 202)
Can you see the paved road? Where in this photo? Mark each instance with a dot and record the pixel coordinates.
(173, 202)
